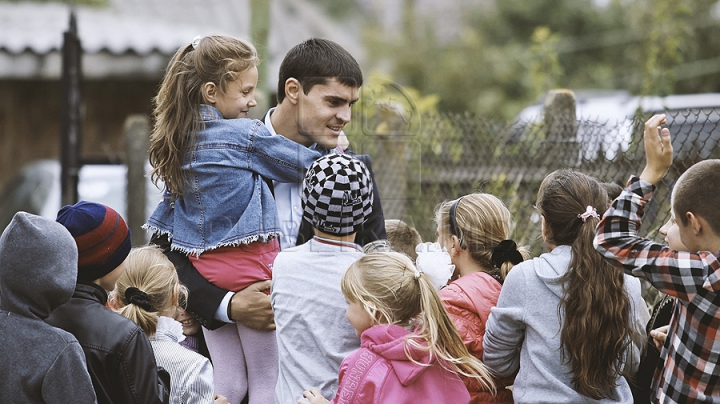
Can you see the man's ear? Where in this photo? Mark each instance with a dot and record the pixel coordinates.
(209, 92)
(292, 90)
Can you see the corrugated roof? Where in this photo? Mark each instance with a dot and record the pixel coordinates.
(149, 28)
(139, 26)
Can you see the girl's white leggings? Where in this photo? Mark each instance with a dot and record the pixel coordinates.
(244, 360)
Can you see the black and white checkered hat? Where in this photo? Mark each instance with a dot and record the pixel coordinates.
(337, 194)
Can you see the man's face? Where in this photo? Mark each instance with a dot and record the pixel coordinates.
(324, 112)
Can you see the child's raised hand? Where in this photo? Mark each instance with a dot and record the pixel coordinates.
(658, 149)
(313, 395)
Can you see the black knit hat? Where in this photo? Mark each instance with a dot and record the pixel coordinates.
(337, 194)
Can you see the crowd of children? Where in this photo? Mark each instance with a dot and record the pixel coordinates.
(352, 323)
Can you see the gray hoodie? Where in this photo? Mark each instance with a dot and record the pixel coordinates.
(38, 270)
(523, 332)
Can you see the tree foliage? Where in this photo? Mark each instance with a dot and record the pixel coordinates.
(507, 52)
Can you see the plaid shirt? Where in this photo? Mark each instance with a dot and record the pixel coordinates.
(691, 373)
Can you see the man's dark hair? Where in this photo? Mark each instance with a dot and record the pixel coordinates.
(315, 61)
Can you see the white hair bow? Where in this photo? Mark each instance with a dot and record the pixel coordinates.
(435, 263)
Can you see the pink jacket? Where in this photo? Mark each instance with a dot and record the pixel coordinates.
(468, 300)
(380, 372)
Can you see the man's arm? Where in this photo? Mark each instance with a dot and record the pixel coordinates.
(250, 306)
(374, 227)
(203, 297)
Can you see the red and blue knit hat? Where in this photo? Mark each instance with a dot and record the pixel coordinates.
(101, 235)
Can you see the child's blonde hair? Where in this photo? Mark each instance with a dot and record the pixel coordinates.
(385, 284)
(483, 221)
(155, 287)
(217, 59)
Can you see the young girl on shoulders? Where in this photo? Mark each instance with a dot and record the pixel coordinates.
(475, 229)
(148, 293)
(567, 318)
(218, 208)
(386, 294)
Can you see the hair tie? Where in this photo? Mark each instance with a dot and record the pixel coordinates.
(196, 41)
(137, 297)
(504, 252)
(589, 212)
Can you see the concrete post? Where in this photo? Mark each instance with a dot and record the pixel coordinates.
(137, 137)
(562, 147)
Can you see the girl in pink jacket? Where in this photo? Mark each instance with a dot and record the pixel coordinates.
(386, 295)
(475, 229)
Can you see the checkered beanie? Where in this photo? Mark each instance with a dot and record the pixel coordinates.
(101, 235)
(337, 194)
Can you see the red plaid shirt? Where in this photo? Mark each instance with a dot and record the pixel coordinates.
(691, 373)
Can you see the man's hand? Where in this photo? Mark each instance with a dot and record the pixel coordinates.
(658, 150)
(251, 307)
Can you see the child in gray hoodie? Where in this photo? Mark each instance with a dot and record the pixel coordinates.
(38, 268)
(566, 320)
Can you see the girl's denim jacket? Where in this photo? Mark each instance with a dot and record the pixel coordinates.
(227, 201)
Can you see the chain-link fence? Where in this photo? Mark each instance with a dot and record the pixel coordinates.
(451, 155)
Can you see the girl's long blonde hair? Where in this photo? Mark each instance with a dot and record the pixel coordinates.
(483, 221)
(217, 59)
(384, 283)
(150, 271)
(596, 330)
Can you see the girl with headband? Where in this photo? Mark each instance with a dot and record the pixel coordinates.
(475, 230)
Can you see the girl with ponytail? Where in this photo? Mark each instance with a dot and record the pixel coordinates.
(566, 319)
(475, 230)
(386, 296)
(148, 293)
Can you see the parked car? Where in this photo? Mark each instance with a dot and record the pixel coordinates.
(36, 189)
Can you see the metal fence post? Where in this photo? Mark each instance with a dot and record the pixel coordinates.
(137, 135)
(71, 98)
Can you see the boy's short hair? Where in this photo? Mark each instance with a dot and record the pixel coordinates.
(696, 191)
(337, 194)
(402, 237)
(103, 238)
(315, 61)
